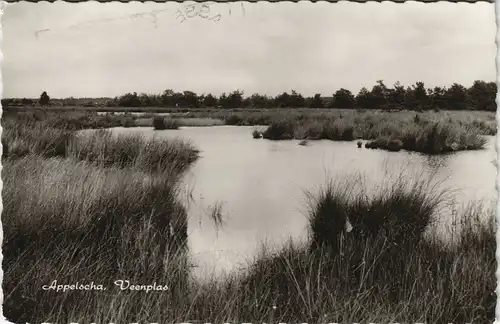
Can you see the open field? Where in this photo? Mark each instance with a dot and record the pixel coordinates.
(112, 209)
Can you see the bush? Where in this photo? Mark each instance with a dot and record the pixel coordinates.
(159, 123)
(279, 130)
(234, 120)
(128, 122)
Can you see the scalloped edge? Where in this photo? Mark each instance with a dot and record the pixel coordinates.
(253, 1)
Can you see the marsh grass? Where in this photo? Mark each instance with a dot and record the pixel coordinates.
(19, 140)
(98, 146)
(422, 133)
(78, 222)
(282, 129)
(161, 123)
(133, 150)
(384, 270)
(108, 209)
(106, 223)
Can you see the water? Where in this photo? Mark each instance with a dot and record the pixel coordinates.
(260, 185)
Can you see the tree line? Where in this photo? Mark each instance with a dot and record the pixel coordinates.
(480, 96)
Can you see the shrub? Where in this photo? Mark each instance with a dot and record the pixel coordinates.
(234, 120)
(128, 122)
(279, 130)
(159, 123)
(171, 123)
(394, 145)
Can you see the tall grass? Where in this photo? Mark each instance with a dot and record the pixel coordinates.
(21, 139)
(422, 134)
(133, 150)
(161, 123)
(109, 209)
(78, 222)
(384, 270)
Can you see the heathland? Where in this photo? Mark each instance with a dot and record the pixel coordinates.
(100, 207)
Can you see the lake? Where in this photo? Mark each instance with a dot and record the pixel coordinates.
(260, 185)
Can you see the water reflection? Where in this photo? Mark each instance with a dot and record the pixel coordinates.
(436, 162)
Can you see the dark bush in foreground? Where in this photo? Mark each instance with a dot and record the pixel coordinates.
(400, 213)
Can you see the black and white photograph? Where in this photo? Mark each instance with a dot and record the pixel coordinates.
(205, 162)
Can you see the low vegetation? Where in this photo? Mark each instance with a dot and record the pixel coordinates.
(425, 133)
(102, 148)
(88, 208)
(160, 123)
(112, 210)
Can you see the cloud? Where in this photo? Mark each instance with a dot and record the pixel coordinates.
(261, 47)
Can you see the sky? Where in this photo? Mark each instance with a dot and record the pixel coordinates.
(97, 49)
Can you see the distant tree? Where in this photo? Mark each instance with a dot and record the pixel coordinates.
(26, 102)
(146, 100)
(246, 103)
(296, 100)
(456, 97)
(317, 101)
(363, 99)
(44, 99)
(233, 100)
(189, 100)
(481, 96)
(209, 101)
(378, 95)
(129, 100)
(409, 99)
(421, 98)
(437, 98)
(282, 100)
(167, 98)
(396, 95)
(223, 100)
(260, 101)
